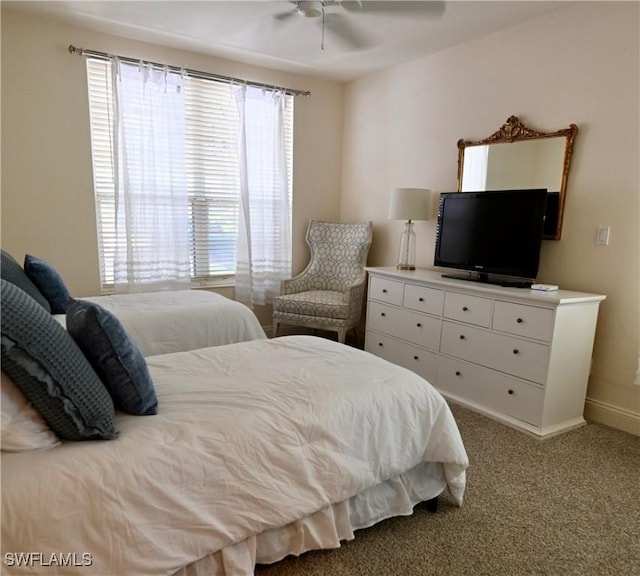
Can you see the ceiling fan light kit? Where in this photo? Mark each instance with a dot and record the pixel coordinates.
(310, 8)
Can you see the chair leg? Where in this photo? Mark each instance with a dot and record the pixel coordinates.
(274, 328)
(342, 335)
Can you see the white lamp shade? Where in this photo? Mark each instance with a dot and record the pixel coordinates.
(410, 204)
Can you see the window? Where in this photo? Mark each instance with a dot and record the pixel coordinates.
(211, 128)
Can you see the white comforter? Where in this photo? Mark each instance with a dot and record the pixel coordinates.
(174, 321)
(248, 437)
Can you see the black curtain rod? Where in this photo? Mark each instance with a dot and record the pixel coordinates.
(188, 71)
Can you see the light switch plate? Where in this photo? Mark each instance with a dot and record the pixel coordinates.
(602, 235)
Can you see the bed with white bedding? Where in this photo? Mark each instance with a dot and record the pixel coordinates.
(179, 320)
(160, 322)
(251, 443)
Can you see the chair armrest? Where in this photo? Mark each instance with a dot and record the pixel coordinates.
(296, 284)
(355, 298)
(355, 289)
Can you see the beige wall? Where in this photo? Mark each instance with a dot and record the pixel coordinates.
(47, 182)
(579, 65)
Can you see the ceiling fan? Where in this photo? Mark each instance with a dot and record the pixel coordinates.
(329, 15)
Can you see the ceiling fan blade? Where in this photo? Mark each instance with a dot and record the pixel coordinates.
(351, 36)
(430, 8)
(283, 16)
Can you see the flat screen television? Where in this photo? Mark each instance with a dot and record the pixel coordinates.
(491, 233)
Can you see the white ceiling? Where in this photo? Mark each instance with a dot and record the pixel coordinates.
(247, 30)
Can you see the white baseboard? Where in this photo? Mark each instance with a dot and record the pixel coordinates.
(619, 418)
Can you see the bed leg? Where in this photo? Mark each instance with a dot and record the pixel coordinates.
(432, 505)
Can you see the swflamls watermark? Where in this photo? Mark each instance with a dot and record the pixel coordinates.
(43, 559)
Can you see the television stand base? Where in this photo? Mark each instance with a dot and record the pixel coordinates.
(486, 279)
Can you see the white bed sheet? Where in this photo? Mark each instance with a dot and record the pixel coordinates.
(249, 438)
(179, 320)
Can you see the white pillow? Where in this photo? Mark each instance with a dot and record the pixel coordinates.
(22, 428)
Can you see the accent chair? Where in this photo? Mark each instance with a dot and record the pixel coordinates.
(329, 293)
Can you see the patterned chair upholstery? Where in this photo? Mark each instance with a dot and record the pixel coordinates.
(329, 293)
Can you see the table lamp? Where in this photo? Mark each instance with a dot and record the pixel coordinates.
(409, 204)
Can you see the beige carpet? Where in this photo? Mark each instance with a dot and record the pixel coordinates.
(565, 506)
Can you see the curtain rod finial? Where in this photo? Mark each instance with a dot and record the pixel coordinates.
(74, 50)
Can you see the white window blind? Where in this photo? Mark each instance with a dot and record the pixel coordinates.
(211, 132)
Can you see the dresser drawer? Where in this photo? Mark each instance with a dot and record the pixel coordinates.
(423, 299)
(523, 320)
(416, 359)
(385, 290)
(522, 358)
(491, 389)
(470, 309)
(416, 328)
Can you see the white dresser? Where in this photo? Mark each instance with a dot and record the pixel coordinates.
(518, 355)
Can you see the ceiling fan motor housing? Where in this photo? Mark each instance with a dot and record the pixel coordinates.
(310, 8)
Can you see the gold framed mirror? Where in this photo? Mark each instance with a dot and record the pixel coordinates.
(518, 157)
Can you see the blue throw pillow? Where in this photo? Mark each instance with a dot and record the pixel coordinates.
(48, 366)
(113, 355)
(48, 281)
(12, 272)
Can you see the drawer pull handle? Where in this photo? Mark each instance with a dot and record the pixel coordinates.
(382, 314)
(419, 325)
(421, 299)
(510, 392)
(384, 290)
(519, 320)
(380, 344)
(416, 358)
(461, 336)
(516, 351)
(458, 373)
(465, 309)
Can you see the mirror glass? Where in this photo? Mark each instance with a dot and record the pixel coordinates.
(518, 157)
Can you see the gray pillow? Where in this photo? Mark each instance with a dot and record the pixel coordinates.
(47, 365)
(11, 271)
(48, 281)
(113, 355)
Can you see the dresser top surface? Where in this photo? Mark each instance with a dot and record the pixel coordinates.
(435, 278)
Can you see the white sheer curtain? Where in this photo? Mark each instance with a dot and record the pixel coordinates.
(263, 257)
(152, 250)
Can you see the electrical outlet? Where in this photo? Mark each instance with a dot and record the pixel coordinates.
(602, 235)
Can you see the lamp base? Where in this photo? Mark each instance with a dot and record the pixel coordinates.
(407, 252)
